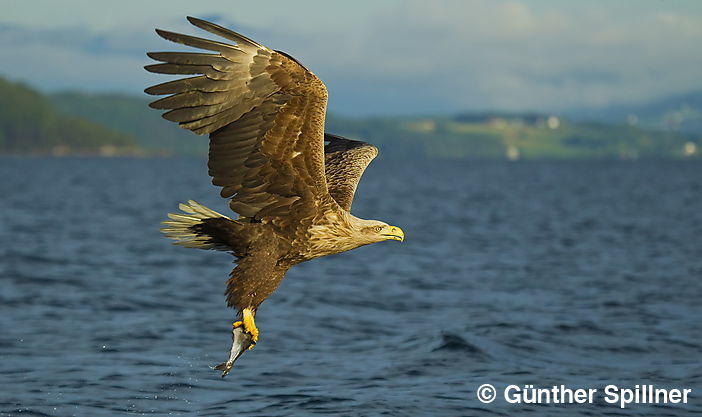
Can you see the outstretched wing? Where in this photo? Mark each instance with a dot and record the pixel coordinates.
(344, 163)
(264, 113)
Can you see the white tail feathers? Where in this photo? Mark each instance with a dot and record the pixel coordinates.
(179, 227)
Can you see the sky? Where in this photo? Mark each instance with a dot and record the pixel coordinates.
(389, 57)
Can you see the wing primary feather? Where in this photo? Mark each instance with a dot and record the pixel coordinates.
(223, 32)
(196, 42)
(190, 99)
(200, 83)
(168, 68)
(189, 58)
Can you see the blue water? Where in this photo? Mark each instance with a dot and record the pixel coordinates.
(545, 273)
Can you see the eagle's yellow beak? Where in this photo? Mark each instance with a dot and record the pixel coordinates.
(394, 233)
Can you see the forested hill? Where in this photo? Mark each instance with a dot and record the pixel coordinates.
(484, 136)
(133, 116)
(31, 124)
(109, 124)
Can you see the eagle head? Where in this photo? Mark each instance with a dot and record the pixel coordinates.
(377, 231)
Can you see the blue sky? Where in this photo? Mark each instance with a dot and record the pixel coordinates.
(385, 57)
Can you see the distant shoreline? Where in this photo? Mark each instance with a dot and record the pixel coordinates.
(417, 157)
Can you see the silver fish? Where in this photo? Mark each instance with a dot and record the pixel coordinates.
(241, 342)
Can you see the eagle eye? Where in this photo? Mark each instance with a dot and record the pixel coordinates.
(377, 228)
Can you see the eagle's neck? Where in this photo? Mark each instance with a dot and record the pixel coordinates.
(358, 224)
(338, 232)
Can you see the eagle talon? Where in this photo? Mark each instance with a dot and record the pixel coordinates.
(249, 325)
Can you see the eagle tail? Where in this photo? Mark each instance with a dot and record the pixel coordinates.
(186, 228)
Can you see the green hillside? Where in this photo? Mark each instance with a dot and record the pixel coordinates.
(493, 136)
(511, 136)
(31, 124)
(132, 116)
(103, 124)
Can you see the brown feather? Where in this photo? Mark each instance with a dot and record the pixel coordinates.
(258, 273)
(344, 164)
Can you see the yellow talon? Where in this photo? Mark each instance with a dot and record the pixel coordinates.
(250, 325)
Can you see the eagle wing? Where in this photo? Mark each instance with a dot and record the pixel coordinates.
(264, 113)
(345, 160)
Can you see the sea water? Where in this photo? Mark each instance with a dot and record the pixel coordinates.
(583, 274)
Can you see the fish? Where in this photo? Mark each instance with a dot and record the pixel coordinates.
(241, 342)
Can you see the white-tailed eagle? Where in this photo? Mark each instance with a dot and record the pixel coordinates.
(290, 184)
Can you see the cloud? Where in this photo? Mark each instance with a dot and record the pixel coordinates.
(415, 56)
(72, 58)
(487, 54)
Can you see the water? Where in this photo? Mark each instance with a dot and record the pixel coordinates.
(546, 273)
